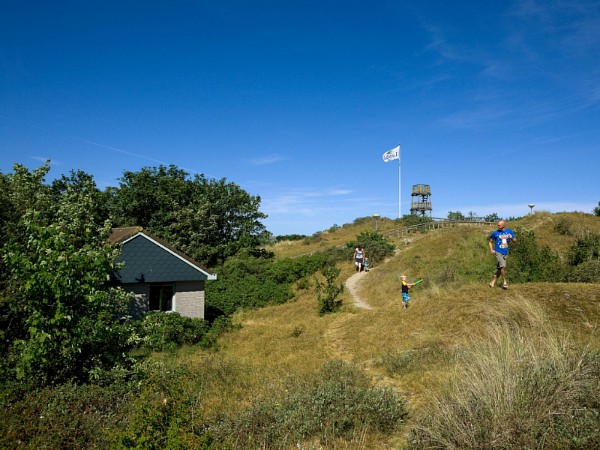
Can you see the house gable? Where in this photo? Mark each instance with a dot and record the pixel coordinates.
(149, 261)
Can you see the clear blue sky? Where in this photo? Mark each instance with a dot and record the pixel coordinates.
(496, 104)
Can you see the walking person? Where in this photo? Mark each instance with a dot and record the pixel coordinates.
(359, 257)
(498, 244)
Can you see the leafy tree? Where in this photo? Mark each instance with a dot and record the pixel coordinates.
(455, 215)
(597, 210)
(493, 217)
(211, 220)
(69, 323)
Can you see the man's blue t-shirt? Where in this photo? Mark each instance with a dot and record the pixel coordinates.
(501, 240)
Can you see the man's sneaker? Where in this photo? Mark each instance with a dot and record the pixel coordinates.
(504, 286)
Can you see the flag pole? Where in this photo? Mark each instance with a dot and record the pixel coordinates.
(399, 186)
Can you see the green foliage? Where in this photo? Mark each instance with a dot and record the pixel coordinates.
(455, 215)
(585, 248)
(414, 219)
(290, 237)
(249, 281)
(493, 217)
(164, 415)
(597, 210)
(161, 331)
(66, 416)
(376, 247)
(327, 293)
(333, 403)
(587, 272)
(210, 220)
(62, 321)
(530, 262)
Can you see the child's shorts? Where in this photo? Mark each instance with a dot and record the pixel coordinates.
(405, 297)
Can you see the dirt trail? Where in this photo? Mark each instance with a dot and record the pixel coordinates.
(352, 286)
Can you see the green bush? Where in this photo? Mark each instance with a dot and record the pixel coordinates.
(166, 413)
(333, 403)
(376, 247)
(166, 331)
(248, 281)
(66, 416)
(585, 248)
(530, 262)
(327, 293)
(587, 272)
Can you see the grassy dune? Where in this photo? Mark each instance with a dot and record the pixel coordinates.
(418, 352)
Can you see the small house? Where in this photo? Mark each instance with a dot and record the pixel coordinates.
(161, 277)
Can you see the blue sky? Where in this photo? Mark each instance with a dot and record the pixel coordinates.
(495, 104)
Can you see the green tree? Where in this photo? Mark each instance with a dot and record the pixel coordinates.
(493, 217)
(597, 210)
(208, 219)
(455, 215)
(71, 324)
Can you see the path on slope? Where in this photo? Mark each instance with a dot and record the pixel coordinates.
(352, 286)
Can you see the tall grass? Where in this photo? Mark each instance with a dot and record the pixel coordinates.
(523, 385)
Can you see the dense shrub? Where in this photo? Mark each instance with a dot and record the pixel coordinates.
(376, 247)
(587, 272)
(332, 403)
(530, 262)
(327, 293)
(165, 414)
(167, 331)
(585, 248)
(65, 416)
(290, 237)
(247, 281)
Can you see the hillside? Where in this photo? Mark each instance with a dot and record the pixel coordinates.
(412, 350)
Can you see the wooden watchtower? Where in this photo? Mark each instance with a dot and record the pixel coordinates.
(420, 199)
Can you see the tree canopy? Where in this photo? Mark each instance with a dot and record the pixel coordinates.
(208, 219)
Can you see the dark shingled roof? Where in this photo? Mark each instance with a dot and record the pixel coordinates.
(123, 234)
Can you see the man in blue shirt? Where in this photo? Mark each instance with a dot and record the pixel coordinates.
(498, 243)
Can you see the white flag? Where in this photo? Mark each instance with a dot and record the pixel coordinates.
(392, 154)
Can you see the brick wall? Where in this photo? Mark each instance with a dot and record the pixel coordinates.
(189, 298)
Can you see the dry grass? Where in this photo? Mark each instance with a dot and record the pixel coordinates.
(413, 350)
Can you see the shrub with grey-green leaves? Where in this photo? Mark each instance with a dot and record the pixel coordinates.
(332, 403)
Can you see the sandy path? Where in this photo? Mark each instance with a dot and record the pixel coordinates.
(352, 286)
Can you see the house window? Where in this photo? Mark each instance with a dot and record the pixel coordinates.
(161, 297)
